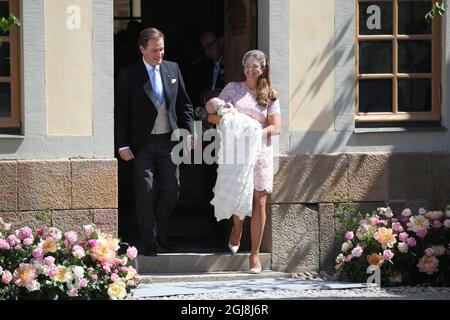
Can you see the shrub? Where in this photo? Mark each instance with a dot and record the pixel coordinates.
(47, 264)
(408, 249)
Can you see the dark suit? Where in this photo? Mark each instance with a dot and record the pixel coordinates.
(155, 175)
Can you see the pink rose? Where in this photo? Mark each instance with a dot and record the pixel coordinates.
(83, 283)
(73, 292)
(6, 277)
(4, 245)
(132, 251)
(428, 264)
(28, 241)
(71, 236)
(411, 242)
(421, 233)
(114, 277)
(434, 215)
(388, 254)
(49, 261)
(24, 233)
(38, 253)
(52, 272)
(40, 231)
(436, 224)
(429, 252)
(92, 243)
(403, 236)
(397, 227)
(406, 212)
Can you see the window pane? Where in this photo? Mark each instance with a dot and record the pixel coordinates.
(375, 18)
(411, 17)
(375, 95)
(5, 100)
(414, 56)
(414, 95)
(375, 57)
(4, 60)
(122, 8)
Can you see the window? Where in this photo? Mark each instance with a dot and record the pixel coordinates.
(10, 72)
(124, 12)
(398, 62)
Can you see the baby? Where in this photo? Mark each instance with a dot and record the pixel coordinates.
(219, 107)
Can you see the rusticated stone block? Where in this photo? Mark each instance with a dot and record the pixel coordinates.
(94, 183)
(368, 177)
(8, 185)
(295, 238)
(68, 220)
(44, 184)
(311, 179)
(32, 219)
(410, 176)
(326, 236)
(441, 181)
(105, 216)
(108, 229)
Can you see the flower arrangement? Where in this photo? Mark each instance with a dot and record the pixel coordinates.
(47, 264)
(407, 249)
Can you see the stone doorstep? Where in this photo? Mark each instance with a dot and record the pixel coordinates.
(210, 276)
(182, 263)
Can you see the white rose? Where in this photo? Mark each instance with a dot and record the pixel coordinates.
(403, 247)
(346, 246)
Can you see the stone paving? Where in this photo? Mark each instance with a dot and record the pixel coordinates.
(300, 286)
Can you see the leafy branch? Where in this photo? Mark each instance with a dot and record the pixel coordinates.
(438, 8)
(6, 24)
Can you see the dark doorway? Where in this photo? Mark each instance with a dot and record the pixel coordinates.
(193, 225)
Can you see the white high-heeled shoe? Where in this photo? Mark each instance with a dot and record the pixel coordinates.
(255, 270)
(233, 249)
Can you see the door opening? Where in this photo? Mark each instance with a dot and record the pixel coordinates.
(192, 226)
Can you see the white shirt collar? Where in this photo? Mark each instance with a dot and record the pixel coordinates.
(149, 66)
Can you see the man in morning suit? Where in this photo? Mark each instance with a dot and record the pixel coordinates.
(152, 103)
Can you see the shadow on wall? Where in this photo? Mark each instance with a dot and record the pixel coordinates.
(9, 146)
(369, 180)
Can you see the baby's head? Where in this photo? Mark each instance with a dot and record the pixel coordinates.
(213, 104)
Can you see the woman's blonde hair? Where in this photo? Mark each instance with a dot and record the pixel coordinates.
(264, 91)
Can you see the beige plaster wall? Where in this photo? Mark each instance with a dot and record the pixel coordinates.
(68, 72)
(312, 65)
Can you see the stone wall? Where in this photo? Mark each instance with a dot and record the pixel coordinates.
(307, 187)
(77, 192)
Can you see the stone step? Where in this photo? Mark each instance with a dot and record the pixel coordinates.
(171, 263)
(210, 276)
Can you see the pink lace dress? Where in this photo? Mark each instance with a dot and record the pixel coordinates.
(243, 98)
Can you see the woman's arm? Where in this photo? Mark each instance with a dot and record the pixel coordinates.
(274, 126)
(214, 118)
(212, 107)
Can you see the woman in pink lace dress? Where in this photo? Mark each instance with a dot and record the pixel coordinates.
(254, 97)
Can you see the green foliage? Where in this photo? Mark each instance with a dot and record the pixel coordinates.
(42, 216)
(438, 9)
(6, 24)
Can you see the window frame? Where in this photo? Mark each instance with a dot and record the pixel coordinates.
(436, 71)
(132, 16)
(14, 121)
